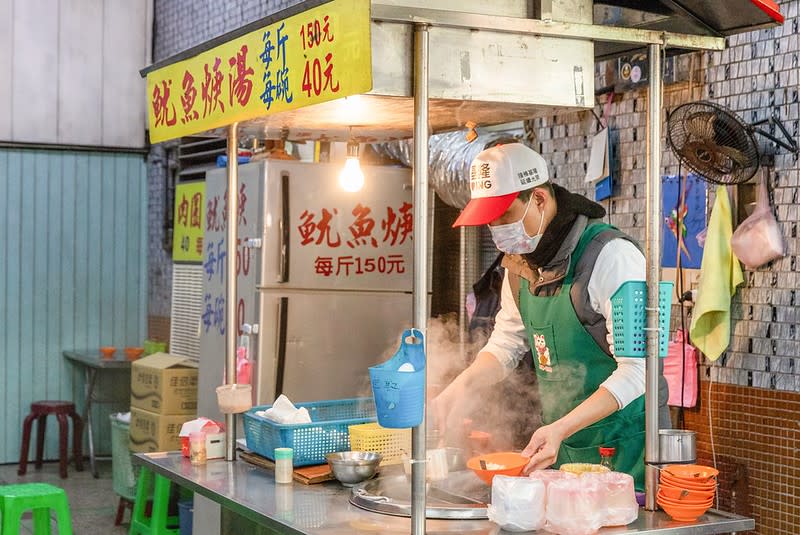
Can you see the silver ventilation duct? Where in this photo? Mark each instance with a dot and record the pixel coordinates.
(450, 157)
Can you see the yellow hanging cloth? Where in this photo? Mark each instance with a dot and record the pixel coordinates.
(720, 274)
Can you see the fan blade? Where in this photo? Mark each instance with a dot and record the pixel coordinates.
(700, 125)
(729, 159)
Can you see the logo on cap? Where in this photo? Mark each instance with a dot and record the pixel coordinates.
(480, 177)
(528, 176)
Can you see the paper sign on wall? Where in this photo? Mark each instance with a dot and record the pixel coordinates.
(598, 170)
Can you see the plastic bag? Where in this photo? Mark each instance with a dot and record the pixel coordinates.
(758, 239)
(619, 497)
(517, 503)
(574, 506)
(681, 374)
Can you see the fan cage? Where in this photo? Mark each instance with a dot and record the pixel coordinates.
(713, 142)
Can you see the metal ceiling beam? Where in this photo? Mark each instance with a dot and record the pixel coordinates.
(566, 30)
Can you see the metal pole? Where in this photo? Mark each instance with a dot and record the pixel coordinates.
(230, 275)
(653, 263)
(420, 303)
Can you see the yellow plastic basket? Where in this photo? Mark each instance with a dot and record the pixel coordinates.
(391, 443)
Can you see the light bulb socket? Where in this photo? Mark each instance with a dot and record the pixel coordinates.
(352, 149)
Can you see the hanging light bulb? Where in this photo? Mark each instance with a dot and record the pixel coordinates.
(351, 178)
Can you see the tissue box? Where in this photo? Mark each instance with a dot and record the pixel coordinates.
(215, 445)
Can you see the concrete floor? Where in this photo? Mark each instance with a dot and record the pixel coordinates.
(92, 502)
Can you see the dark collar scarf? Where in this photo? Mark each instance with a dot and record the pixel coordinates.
(568, 207)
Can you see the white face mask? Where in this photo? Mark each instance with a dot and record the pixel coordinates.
(512, 238)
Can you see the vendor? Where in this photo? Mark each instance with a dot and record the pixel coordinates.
(562, 267)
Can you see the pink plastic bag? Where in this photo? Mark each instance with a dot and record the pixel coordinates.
(758, 239)
(677, 374)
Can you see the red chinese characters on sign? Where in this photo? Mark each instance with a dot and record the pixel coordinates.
(218, 221)
(318, 74)
(212, 88)
(397, 226)
(320, 229)
(348, 266)
(188, 98)
(163, 109)
(361, 229)
(239, 83)
(195, 213)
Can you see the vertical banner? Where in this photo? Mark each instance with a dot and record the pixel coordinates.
(318, 55)
(187, 237)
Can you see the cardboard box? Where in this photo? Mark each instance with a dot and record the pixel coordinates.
(164, 384)
(155, 432)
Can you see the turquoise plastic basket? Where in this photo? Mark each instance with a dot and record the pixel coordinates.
(629, 317)
(328, 431)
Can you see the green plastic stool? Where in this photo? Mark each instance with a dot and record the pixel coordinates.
(38, 497)
(159, 522)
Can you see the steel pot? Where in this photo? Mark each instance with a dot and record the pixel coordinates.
(677, 446)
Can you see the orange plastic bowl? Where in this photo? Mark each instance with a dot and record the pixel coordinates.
(681, 494)
(709, 486)
(108, 351)
(511, 464)
(692, 472)
(133, 353)
(683, 513)
(685, 502)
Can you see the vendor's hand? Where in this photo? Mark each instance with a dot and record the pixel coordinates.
(543, 448)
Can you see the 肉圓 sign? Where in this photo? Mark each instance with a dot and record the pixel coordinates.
(315, 56)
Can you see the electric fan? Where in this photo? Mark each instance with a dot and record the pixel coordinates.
(718, 145)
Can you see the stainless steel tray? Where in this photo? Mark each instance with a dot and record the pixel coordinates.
(461, 496)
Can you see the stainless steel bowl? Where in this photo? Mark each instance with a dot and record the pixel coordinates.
(352, 467)
(456, 459)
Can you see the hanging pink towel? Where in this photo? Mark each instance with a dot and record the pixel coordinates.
(677, 375)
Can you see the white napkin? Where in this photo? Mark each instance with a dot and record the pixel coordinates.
(199, 424)
(283, 411)
(123, 417)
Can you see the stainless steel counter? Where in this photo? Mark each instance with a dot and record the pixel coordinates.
(325, 508)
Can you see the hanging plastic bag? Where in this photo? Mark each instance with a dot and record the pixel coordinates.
(758, 239)
(399, 383)
(681, 374)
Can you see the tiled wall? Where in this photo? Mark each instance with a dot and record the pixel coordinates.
(757, 381)
(755, 433)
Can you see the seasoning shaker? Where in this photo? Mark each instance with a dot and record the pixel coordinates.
(283, 465)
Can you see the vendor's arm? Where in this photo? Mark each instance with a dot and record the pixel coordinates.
(618, 262)
(505, 348)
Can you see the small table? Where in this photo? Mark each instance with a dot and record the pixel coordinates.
(93, 363)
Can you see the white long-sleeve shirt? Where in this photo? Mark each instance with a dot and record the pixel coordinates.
(619, 261)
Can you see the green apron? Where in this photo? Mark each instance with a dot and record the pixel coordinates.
(570, 366)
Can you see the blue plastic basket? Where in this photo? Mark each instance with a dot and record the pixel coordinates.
(399, 396)
(327, 433)
(629, 316)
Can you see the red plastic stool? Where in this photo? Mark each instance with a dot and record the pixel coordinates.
(39, 412)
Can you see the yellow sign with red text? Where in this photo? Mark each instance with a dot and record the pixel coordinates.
(318, 55)
(187, 236)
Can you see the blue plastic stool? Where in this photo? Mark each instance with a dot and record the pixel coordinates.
(36, 497)
(159, 522)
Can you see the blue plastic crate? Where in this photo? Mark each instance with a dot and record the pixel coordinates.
(327, 433)
(629, 317)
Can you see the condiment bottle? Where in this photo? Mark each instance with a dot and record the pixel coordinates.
(283, 465)
(197, 448)
(606, 457)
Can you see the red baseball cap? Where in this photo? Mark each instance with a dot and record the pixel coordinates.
(496, 176)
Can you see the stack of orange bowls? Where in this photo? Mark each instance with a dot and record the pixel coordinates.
(686, 491)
